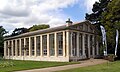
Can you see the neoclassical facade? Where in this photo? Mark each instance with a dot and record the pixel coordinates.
(70, 42)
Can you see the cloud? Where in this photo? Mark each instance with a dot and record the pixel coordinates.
(25, 13)
(89, 5)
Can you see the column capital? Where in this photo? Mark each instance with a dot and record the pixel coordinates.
(35, 46)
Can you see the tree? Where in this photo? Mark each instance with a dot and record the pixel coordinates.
(111, 20)
(107, 13)
(2, 32)
(38, 27)
(18, 31)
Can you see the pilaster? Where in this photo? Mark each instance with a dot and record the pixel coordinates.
(12, 47)
(5, 48)
(93, 46)
(78, 44)
(41, 46)
(16, 49)
(35, 46)
(83, 45)
(88, 45)
(56, 53)
(20, 47)
(67, 42)
(64, 49)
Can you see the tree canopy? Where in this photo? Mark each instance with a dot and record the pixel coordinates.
(18, 31)
(107, 13)
(38, 27)
(2, 32)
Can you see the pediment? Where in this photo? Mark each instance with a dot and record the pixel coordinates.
(84, 26)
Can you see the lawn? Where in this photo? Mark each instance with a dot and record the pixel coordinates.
(24, 65)
(106, 67)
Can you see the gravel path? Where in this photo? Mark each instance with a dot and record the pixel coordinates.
(84, 63)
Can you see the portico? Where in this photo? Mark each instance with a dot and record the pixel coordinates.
(73, 41)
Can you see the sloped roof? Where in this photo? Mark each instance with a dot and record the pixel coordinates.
(64, 27)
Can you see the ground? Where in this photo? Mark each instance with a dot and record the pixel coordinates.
(14, 65)
(83, 63)
(106, 67)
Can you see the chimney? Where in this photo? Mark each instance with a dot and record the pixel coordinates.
(68, 22)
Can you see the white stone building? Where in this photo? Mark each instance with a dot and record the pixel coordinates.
(73, 41)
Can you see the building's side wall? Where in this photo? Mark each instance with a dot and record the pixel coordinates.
(26, 48)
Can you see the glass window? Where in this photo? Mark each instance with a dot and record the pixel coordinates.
(86, 45)
(74, 42)
(44, 43)
(51, 44)
(13, 47)
(10, 46)
(60, 43)
(38, 45)
(22, 47)
(18, 49)
(32, 43)
(27, 46)
(91, 45)
(6, 48)
(80, 44)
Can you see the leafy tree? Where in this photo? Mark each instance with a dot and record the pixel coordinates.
(107, 13)
(2, 32)
(111, 21)
(18, 31)
(38, 27)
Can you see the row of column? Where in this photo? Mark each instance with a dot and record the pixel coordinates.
(65, 42)
(83, 45)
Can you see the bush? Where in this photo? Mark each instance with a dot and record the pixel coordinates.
(111, 57)
(6, 64)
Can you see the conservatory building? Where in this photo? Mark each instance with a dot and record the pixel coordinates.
(70, 42)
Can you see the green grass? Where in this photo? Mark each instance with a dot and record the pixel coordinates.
(106, 67)
(25, 65)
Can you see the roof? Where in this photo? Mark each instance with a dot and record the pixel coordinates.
(64, 27)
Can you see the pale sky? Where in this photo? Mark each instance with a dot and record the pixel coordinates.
(26, 13)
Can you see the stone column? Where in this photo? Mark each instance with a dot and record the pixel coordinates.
(9, 49)
(48, 48)
(83, 45)
(41, 46)
(64, 49)
(93, 46)
(29, 46)
(16, 49)
(78, 44)
(12, 47)
(97, 47)
(67, 42)
(5, 48)
(71, 44)
(88, 46)
(35, 46)
(20, 47)
(56, 52)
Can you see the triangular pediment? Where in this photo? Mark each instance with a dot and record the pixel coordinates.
(83, 26)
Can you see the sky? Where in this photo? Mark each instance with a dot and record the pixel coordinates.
(26, 13)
